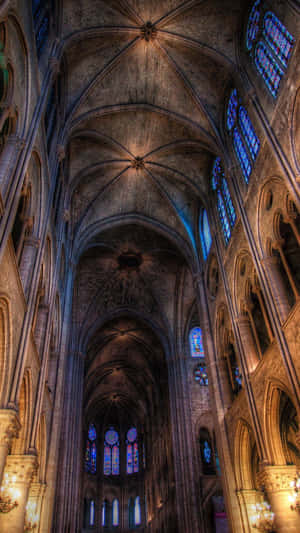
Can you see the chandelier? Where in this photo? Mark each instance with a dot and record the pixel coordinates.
(8, 494)
(263, 518)
(295, 497)
(31, 520)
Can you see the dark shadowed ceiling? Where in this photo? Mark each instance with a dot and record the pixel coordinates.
(145, 85)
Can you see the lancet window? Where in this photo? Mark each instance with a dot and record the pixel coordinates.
(111, 453)
(105, 513)
(270, 44)
(206, 451)
(225, 207)
(132, 451)
(91, 450)
(205, 234)
(245, 141)
(115, 513)
(196, 342)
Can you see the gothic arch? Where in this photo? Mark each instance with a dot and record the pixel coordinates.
(275, 442)
(21, 443)
(244, 443)
(295, 130)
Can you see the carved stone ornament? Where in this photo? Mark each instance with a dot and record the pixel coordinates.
(9, 426)
(22, 467)
(277, 478)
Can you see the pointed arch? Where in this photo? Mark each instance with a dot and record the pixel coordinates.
(6, 342)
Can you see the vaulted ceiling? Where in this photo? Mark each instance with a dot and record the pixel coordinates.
(145, 82)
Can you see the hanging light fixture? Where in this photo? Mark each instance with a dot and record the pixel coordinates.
(263, 518)
(8, 494)
(295, 496)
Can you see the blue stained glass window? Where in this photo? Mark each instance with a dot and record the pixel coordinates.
(228, 202)
(115, 512)
(205, 235)
(232, 109)
(196, 342)
(137, 512)
(104, 514)
(242, 155)
(277, 37)
(238, 377)
(248, 132)
(91, 450)
(111, 453)
(223, 218)
(207, 453)
(268, 68)
(92, 513)
(217, 172)
(200, 374)
(92, 432)
(253, 24)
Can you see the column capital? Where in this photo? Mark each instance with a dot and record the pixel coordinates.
(9, 426)
(277, 478)
(22, 467)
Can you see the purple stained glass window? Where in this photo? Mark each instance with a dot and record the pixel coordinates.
(249, 133)
(242, 155)
(268, 68)
(107, 461)
(91, 450)
(93, 458)
(228, 202)
(129, 459)
(200, 375)
(232, 109)
(196, 342)
(135, 457)
(132, 435)
(253, 24)
(278, 38)
(223, 218)
(115, 461)
(111, 437)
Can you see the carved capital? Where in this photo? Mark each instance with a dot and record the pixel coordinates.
(9, 426)
(277, 478)
(22, 467)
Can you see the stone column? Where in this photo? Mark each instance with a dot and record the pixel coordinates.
(20, 469)
(249, 345)
(277, 287)
(247, 499)
(34, 503)
(9, 428)
(276, 481)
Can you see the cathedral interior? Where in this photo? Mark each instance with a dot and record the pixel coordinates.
(149, 266)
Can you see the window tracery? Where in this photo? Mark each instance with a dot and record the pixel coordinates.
(245, 141)
(270, 44)
(225, 207)
(91, 451)
(111, 453)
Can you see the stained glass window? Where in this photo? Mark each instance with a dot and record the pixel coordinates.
(248, 132)
(228, 202)
(105, 513)
(115, 512)
(196, 342)
(268, 68)
(137, 512)
(253, 24)
(132, 452)
(205, 235)
(278, 38)
(242, 154)
(91, 450)
(270, 44)
(232, 109)
(92, 513)
(201, 376)
(111, 453)
(223, 218)
(207, 453)
(217, 172)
